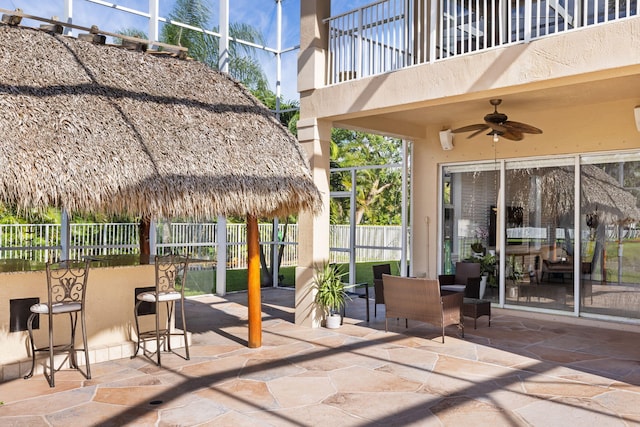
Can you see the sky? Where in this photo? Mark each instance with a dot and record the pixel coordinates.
(260, 14)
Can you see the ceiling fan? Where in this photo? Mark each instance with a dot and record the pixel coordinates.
(499, 126)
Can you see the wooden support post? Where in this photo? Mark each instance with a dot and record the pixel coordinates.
(253, 283)
(144, 230)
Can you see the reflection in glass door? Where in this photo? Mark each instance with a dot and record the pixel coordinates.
(468, 225)
(550, 262)
(539, 230)
(610, 249)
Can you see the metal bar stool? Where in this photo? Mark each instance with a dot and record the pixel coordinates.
(170, 276)
(66, 290)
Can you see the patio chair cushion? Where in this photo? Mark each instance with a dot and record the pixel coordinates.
(62, 307)
(162, 296)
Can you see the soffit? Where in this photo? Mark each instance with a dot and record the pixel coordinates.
(520, 102)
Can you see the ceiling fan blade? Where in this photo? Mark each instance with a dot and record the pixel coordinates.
(478, 132)
(497, 127)
(479, 126)
(521, 127)
(513, 135)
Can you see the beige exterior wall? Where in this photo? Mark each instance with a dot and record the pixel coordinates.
(567, 131)
(109, 314)
(313, 237)
(591, 63)
(579, 87)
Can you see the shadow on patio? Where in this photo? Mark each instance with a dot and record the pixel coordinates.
(520, 371)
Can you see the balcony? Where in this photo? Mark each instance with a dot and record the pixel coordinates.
(394, 34)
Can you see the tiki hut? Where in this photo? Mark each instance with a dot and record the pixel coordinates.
(97, 128)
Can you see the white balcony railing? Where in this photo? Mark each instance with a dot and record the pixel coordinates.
(392, 34)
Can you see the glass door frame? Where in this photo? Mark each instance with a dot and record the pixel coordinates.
(574, 160)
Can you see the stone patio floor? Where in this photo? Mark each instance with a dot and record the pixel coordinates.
(525, 369)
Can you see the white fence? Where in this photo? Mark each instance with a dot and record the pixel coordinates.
(38, 243)
(391, 34)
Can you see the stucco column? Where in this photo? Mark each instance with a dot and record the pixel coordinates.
(313, 231)
(426, 218)
(313, 44)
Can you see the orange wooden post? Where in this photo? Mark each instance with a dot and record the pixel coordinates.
(253, 283)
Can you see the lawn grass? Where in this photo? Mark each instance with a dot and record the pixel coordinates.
(203, 281)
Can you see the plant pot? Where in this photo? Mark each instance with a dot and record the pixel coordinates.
(483, 285)
(333, 321)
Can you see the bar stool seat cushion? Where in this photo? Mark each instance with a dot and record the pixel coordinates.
(61, 307)
(162, 296)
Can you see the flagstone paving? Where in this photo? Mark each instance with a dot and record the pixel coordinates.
(524, 370)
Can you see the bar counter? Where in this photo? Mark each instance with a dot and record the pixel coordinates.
(110, 303)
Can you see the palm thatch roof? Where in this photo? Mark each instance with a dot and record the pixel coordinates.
(600, 192)
(93, 128)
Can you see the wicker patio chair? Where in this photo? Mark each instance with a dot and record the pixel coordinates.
(467, 274)
(420, 299)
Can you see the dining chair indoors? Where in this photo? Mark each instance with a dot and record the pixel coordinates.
(66, 290)
(170, 277)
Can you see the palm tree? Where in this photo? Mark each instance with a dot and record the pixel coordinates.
(192, 12)
(243, 65)
(130, 32)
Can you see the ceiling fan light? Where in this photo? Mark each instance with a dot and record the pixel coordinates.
(495, 137)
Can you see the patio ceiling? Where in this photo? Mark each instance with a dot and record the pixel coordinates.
(93, 128)
(470, 108)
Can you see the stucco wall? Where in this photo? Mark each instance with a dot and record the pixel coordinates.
(579, 129)
(579, 87)
(552, 64)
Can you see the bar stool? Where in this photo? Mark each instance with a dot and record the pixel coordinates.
(170, 276)
(66, 290)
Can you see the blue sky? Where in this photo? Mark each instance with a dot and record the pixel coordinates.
(260, 14)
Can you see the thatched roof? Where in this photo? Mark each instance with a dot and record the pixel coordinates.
(101, 129)
(599, 192)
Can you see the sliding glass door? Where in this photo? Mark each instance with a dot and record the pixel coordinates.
(539, 231)
(610, 249)
(566, 231)
(470, 195)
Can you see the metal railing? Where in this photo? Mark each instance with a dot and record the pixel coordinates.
(28, 246)
(392, 34)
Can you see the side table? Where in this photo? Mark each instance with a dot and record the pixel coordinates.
(472, 307)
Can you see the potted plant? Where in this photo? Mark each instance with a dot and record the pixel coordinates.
(487, 271)
(480, 233)
(331, 295)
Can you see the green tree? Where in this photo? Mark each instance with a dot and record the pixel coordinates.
(130, 32)
(13, 215)
(243, 64)
(195, 13)
(288, 119)
(377, 190)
